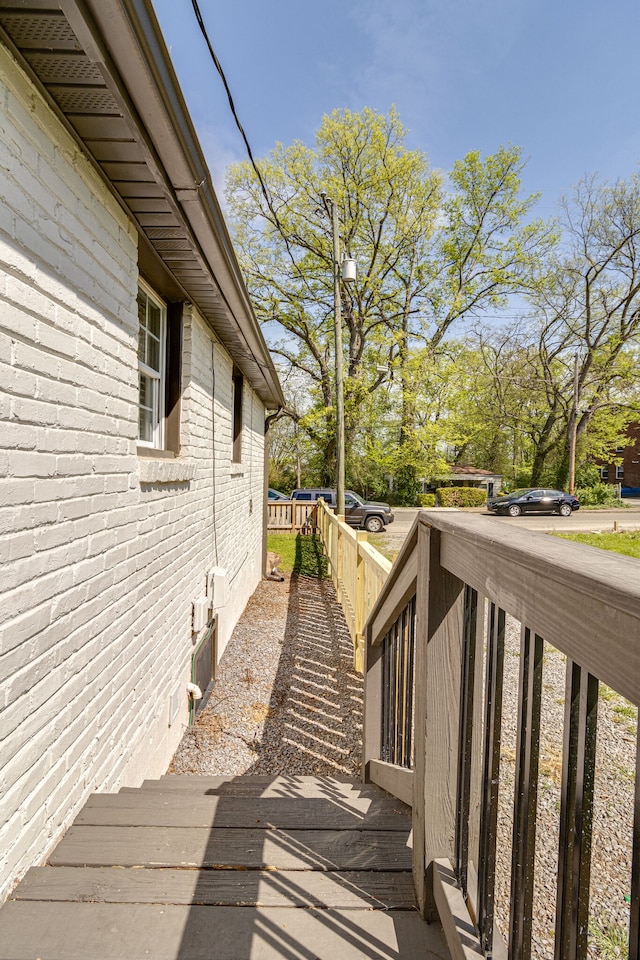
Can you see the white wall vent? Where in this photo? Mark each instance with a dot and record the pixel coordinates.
(175, 701)
(217, 587)
(201, 613)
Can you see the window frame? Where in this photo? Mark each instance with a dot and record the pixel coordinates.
(157, 377)
(620, 471)
(237, 404)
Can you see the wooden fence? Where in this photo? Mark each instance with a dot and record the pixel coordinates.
(435, 691)
(358, 572)
(290, 516)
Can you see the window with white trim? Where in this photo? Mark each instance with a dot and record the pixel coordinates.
(620, 472)
(152, 316)
(604, 473)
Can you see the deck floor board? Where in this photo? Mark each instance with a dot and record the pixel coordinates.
(159, 808)
(253, 849)
(267, 888)
(97, 931)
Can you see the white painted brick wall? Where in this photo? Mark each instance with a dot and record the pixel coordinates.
(98, 570)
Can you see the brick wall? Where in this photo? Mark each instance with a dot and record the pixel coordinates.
(100, 557)
(629, 456)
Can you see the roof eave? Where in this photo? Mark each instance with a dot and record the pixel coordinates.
(136, 120)
(137, 47)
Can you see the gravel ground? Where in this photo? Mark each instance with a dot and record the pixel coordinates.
(613, 805)
(287, 701)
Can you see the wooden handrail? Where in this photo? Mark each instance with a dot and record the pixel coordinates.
(435, 641)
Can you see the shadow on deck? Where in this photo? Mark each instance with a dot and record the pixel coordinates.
(253, 867)
(194, 867)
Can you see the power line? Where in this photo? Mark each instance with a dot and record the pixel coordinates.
(232, 106)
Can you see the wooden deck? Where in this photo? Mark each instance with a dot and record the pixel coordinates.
(299, 868)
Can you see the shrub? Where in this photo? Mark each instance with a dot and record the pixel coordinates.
(587, 475)
(461, 496)
(406, 486)
(522, 478)
(426, 499)
(599, 495)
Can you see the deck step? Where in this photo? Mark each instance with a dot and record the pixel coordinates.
(226, 869)
(258, 786)
(114, 931)
(258, 849)
(250, 888)
(200, 808)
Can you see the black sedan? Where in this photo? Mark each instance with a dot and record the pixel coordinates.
(534, 500)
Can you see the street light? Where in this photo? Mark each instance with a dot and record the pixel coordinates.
(344, 270)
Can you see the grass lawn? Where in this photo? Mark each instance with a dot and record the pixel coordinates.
(299, 554)
(377, 540)
(627, 543)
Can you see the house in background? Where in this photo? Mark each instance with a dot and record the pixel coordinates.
(134, 388)
(464, 476)
(627, 471)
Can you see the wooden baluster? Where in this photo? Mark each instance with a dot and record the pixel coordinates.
(407, 736)
(634, 920)
(465, 746)
(398, 669)
(576, 811)
(525, 794)
(386, 698)
(491, 775)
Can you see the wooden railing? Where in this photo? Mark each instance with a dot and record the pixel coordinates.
(290, 516)
(358, 572)
(435, 691)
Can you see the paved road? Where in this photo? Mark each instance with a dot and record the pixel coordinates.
(582, 521)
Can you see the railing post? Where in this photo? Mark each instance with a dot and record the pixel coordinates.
(440, 624)
(339, 558)
(372, 713)
(358, 653)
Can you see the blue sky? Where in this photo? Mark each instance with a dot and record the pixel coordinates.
(559, 78)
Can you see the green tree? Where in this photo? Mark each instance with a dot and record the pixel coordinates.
(427, 257)
(389, 200)
(588, 312)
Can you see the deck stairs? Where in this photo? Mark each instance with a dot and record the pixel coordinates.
(243, 868)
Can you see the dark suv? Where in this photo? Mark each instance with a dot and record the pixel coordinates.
(357, 512)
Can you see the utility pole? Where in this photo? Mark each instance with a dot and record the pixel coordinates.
(337, 326)
(342, 270)
(573, 427)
